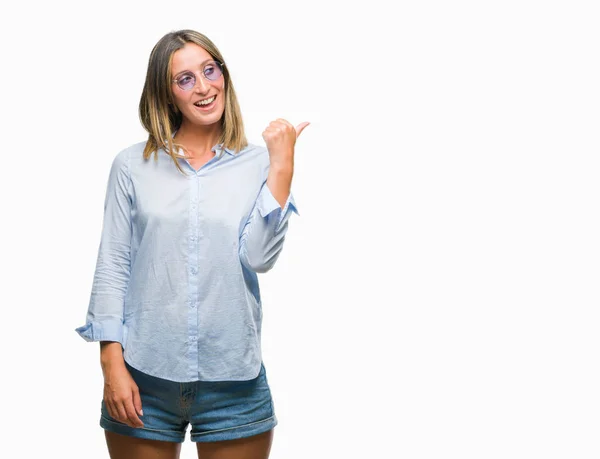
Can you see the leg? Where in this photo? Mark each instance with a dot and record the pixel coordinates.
(254, 447)
(126, 447)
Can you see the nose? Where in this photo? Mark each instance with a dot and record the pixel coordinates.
(202, 85)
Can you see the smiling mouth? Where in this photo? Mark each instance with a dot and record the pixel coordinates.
(197, 104)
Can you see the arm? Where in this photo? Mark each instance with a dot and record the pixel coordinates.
(263, 235)
(104, 319)
(111, 353)
(279, 182)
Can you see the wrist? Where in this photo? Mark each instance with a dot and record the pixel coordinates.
(282, 168)
(111, 352)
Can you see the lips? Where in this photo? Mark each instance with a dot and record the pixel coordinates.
(206, 98)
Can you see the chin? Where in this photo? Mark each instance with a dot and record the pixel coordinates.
(206, 121)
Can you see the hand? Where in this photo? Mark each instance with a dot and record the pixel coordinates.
(122, 396)
(280, 137)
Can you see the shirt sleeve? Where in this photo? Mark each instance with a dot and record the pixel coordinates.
(263, 235)
(104, 319)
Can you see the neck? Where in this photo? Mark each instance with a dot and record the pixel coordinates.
(198, 140)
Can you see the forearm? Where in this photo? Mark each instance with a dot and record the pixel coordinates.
(111, 353)
(279, 181)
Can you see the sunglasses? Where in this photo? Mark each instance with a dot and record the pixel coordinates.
(212, 71)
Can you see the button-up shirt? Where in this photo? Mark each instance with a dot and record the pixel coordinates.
(176, 274)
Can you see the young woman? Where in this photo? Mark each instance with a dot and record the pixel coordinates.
(190, 217)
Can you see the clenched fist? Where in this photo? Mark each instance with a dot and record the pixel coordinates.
(280, 137)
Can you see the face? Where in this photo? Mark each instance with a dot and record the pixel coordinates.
(193, 59)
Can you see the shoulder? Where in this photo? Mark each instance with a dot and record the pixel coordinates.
(121, 162)
(124, 157)
(258, 153)
(258, 159)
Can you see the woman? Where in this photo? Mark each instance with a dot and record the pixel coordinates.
(175, 301)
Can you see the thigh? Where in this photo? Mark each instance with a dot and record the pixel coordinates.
(254, 447)
(232, 410)
(126, 447)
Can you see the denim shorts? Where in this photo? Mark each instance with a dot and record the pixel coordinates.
(217, 410)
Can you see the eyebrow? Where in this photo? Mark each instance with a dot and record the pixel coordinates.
(201, 63)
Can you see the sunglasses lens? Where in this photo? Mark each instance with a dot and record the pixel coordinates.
(187, 81)
(213, 70)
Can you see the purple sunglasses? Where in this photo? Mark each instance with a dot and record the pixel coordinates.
(212, 71)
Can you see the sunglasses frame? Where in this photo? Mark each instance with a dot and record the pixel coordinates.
(176, 80)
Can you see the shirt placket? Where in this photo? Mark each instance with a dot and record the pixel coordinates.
(193, 268)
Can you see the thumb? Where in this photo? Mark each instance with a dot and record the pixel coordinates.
(301, 127)
(137, 402)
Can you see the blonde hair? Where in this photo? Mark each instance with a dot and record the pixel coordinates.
(158, 113)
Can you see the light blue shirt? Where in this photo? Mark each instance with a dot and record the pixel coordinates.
(176, 274)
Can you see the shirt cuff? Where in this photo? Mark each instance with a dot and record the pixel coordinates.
(109, 330)
(267, 203)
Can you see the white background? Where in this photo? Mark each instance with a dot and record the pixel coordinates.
(437, 296)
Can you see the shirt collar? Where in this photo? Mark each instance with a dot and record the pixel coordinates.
(220, 147)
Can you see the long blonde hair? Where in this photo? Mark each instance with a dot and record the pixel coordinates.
(158, 113)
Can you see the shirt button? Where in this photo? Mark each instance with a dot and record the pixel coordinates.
(194, 270)
(193, 338)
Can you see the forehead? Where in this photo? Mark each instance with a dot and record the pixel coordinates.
(190, 57)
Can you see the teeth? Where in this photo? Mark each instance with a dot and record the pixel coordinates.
(205, 102)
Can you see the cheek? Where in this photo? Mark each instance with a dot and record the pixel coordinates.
(180, 101)
(181, 106)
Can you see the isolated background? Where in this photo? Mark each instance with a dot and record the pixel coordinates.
(437, 296)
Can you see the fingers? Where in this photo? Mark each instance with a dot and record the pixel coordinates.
(126, 411)
(286, 122)
(111, 409)
(137, 402)
(281, 123)
(132, 417)
(301, 127)
(121, 412)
